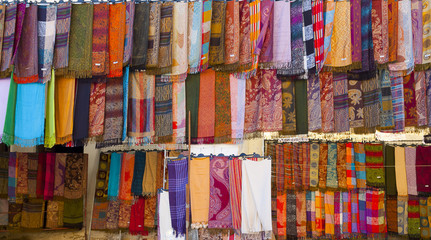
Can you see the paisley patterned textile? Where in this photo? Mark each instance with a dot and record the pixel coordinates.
(289, 115)
(356, 104)
(409, 100)
(327, 101)
(313, 100)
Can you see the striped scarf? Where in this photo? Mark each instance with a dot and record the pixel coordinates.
(386, 109)
(313, 102)
(46, 21)
(61, 48)
(8, 38)
(341, 108)
(206, 33)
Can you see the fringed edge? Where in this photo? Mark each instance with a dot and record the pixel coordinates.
(7, 139)
(203, 140)
(159, 71)
(290, 72)
(50, 141)
(422, 67)
(223, 139)
(253, 135)
(29, 142)
(136, 141)
(6, 73)
(237, 140)
(244, 66)
(64, 140)
(226, 67)
(361, 76)
(61, 71)
(140, 67)
(109, 143)
(282, 65)
(339, 69)
(266, 65)
(21, 80)
(385, 127)
(174, 78)
(193, 70)
(163, 139)
(245, 75)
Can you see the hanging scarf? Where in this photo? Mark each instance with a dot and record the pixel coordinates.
(73, 213)
(138, 173)
(50, 137)
(347, 215)
(400, 171)
(178, 179)
(14, 215)
(371, 91)
(245, 55)
(237, 100)
(314, 165)
(281, 50)
(423, 162)
(60, 169)
(235, 188)
(126, 176)
(206, 34)
(350, 167)
(313, 101)
(179, 112)
(4, 88)
(164, 225)
(376, 222)
(62, 28)
(355, 25)
(391, 182)
(117, 31)
(100, 54)
(26, 65)
(97, 108)
(341, 108)
(327, 101)
(100, 210)
(2, 26)
(320, 214)
(263, 100)
(301, 106)
(355, 212)
(217, 45)
(8, 38)
(124, 214)
(125, 102)
(409, 100)
(308, 37)
(339, 58)
(411, 170)
(391, 214)
(149, 178)
(288, 107)
(102, 178)
(192, 104)
(12, 177)
(48, 188)
(206, 112)
(82, 108)
(301, 214)
(386, 109)
(417, 30)
(297, 166)
(21, 173)
(136, 225)
(405, 59)
(219, 214)
(141, 25)
(360, 165)
(323, 164)
(265, 40)
(318, 30)
(305, 165)
(311, 212)
(392, 29)
(222, 129)
(402, 216)
(46, 20)
(40, 175)
(33, 159)
(115, 168)
(420, 93)
(21, 8)
(428, 96)
(380, 22)
(331, 169)
(128, 37)
(397, 92)
(338, 218)
(74, 178)
(166, 28)
(281, 215)
(81, 35)
(362, 204)
(141, 125)
(375, 168)
(329, 214)
(150, 212)
(30, 114)
(425, 37)
(153, 36)
(194, 38)
(425, 204)
(255, 22)
(54, 214)
(32, 213)
(289, 161)
(368, 69)
(413, 221)
(64, 109)
(328, 16)
(199, 190)
(296, 39)
(179, 41)
(163, 111)
(356, 104)
(4, 171)
(341, 165)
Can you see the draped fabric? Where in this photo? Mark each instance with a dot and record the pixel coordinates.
(380, 22)
(206, 34)
(206, 112)
(194, 39)
(341, 165)
(413, 217)
(355, 25)
(417, 30)
(264, 42)
(411, 170)
(46, 19)
(178, 179)
(288, 107)
(245, 54)
(115, 168)
(117, 30)
(425, 37)
(331, 170)
(327, 101)
(192, 104)
(59, 177)
(5, 85)
(82, 110)
(136, 225)
(341, 108)
(392, 29)
(402, 216)
(313, 101)
(235, 190)
(232, 37)
(350, 167)
(360, 165)
(50, 114)
(4, 171)
(391, 182)
(62, 30)
(386, 108)
(100, 55)
(179, 111)
(371, 102)
(223, 126)
(281, 50)
(397, 91)
(356, 104)
(163, 111)
(329, 13)
(420, 93)
(126, 176)
(318, 30)
(400, 171)
(65, 104)
(323, 163)
(409, 100)
(301, 106)
(153, 36)
(102, 179)
(200, 190)
(141, 24)
(308, 37)
(237, 100)
(423, 161)
(97, 108)
(8, 38)
(179, 39)
(218, 23)
(75, 176)
(128, 38)
(150, 175)
(48, 188)
(21, 174)
(374, 162)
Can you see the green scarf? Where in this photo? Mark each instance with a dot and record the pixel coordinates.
(9, 125)
(301, 106)
(192, 103)
(50, 114)
(73, 213)
(391, 180)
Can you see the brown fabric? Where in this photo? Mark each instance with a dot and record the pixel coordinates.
(323, 160)
(391, 214)
(341, 165)
(223, 128)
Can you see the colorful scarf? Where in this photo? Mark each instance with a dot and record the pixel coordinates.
(341, 100)
(100, 210)
(311, 212)
(235, 191)
(397, 92)
(102, 179)
(405, 42)
(323, 164)
(2, 27)
(346, 220)
(200, 190)
(141, 120)
(360, 165)
(100, 55)
(288, 107)
(391, 214)
(417, 30)
(216, 48)
(400, 171)
(305, 165)
(297, 166)
(254, 34)
(126, 176)
(424, 205)
(136, 225)
(5, 86)
(26, 64)
(33, 160)
(125, 102)
(265, 101)
(391, 182)
(291, 230)
(308, 37)
(46, 21)
(179, 112)
(223, 126)
(153, 36)
(328, 16)
(32, 213)
(62, 28)
(301, 214)
(179, 40)
(237, 101)
(163, 111)
(327, 101)
(341, 165)
(264, 41)
(192, 104)
(141, 24)
(289, 163)
(206, 112)
(314, 165)
(30, 114)
(281, 215)
(48, 188)
(380, 22)
(219, 212)
(296, 38)
(356, 104)
(386, 108)
(59, 171)
(428, 97)
(329, 214)
(20, 15)
(423, 162)
(149, 178)
(245, 54)
(320, 214)
(128, 38)
(124, 214)
(362, 204)
(114, 175)
(97, 108)
(392, 29)
(232, 38)
(318, 30)
(81, 40)
(338, 214)
(409, 100)
(331, 169)
(350, 166)
(425, 37)
(420, 93)
(165, 47)
(355, 227)
(50, 137)
(355, 25)
(22, 173)
(301, 106)
(194, 38)
(376, 222)
(313, 101)
(281, 50)
(54, 214)
(74, 176)
(374, 162)
(12, 177)
(82, 110)
(150, 212)
(402, 216)
(8, 38)
(138, 173)
(411, 170)
(64, 109)
(178, 179)
(371, 91)
(117, 32)
(4, 171)
(413, 221)
(206, 34)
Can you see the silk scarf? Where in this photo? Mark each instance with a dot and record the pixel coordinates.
(59, 171)
(355, 25)
(237, 100)
(114, 175)
(288, 107)
(420, 93)
(245, 54)
(126, 176)
(206, 112)
(82, 110)
(318, 31)
(223, 126)
(411, 170)
(194, 37)
(409, 100)
(48, 188)
(50, 137)
(218, 23)
(117, 30)
(323, 165)
(374, 162)
(392, 29)
(153, 36)
(100, 47)
(200, 190)
(163, 111)
(128, 38)
(102, 179)
(281, 50)
(423, 161)
(206, 34)
(46, 20)
(400, 171)
(327, 101)
(371, 91)
(313, 102)
(141, 24)
(356, 104)
(97, 108)
(391, 181)
(380, 22)
(65, 104)
(425, 37)
(192, 104)
(62, 29)
(179, 112)
(8, 38)
(75, 175)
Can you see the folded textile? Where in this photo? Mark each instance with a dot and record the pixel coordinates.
(100, 209)
(75, 183)
(73, 215)
(82, 110)
(360, 165)
(46, 21)
(178, 178)
(50, 138)
(54, 214)
(59, 178)
(113, 129)
(8, 38)
(128, 38)
(313, 102)
(327, 101)
(117, 32)
(100, 47)
(411, 170)
(423, 162)
(112, 214)
(62, 28)
(126, 177)
(141, 24)
(32, 213)
(48, 188)
(64, 108)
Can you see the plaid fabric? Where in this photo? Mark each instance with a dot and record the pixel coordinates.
(362, 204)
(386, 109)
(301, 214)
(12, 170)
(397, 91)
(375, 165)
(376, 221)
(425, 215)
(320, 214)
(313, 215)
(235, 169)
(413, 217)
(402, 217)
(318, 25)
(338, 214)
(289, 178)
(280, 171)
(305, 165)
(329, 214)
(46, 21)
(309, 210)
(354, 226)
(347, 215)
(61, 48)
(206, 32)
(178, 178)
(350, 166)
(360, 165)
(341, 102)
(308, 36)
(297, 161)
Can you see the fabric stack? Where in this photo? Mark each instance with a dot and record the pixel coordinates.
(350, 190)
(42, 190)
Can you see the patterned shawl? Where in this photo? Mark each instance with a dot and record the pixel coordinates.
(206, 112)
(163, 111)
(112, 214)
(178, 179)
(328, 15)
(21, 174)
(153, 36)
(265, 103)
(423, 162)
(289, 161)
(402, 216)
(59, 174)
(425, 204)
(206, 34)
(301, 108)
(141, 22)
(8, 38)
(165, 47)
(331, 168)
(81, 40)
(308, 37)
(179, 39)
(392, 29)
(411, 170)
(113, 112)
(32, 213)
(21, 10)
(425, 59)
(235, 188)
(301, 214)
(409, 100)
(305, 165)
(327, 101)
(48, 188)
(355, 25)
(128, 38)
(338, 214)
(288, 107)
(350, 167)
(341, 106)
(397, 93)
(291, 214)
(371, 91)
(30, 114)
(318, 30)
(100, 209)
(376, 222)
(281, 214)
(245, 55)
(220, 210)
(100, 55)
(194, 36)
(405, 58)
(26, 63)
(413, 221)
(150, 175)
(150, 212)
(64, 109)
(46, 19)
(117, 31)
(329, 214)
(97, 108)
(297, 166)
(61, 48)
(313, 101)
(380, 22)
(320, 214)
(8, 132)
(237, 101)
(179, 111)
(265, 40)
(2, 26)
(314, 165)
(12, 177)
(82, 110)
(75, 176)
(356, 104)
(54, 214)
(391, 182)
(360, 165)
(341, 165)
(281, 50)
(223, 126)
(32, 181)
(386, 108)
(216, 49)
(417, 30)
(428, 96)
(136, 225)
(102, 178)
(420, 93)
(375, 168)
(126, 176)
(323, 164)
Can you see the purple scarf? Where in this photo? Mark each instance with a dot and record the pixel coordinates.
(178, 178)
